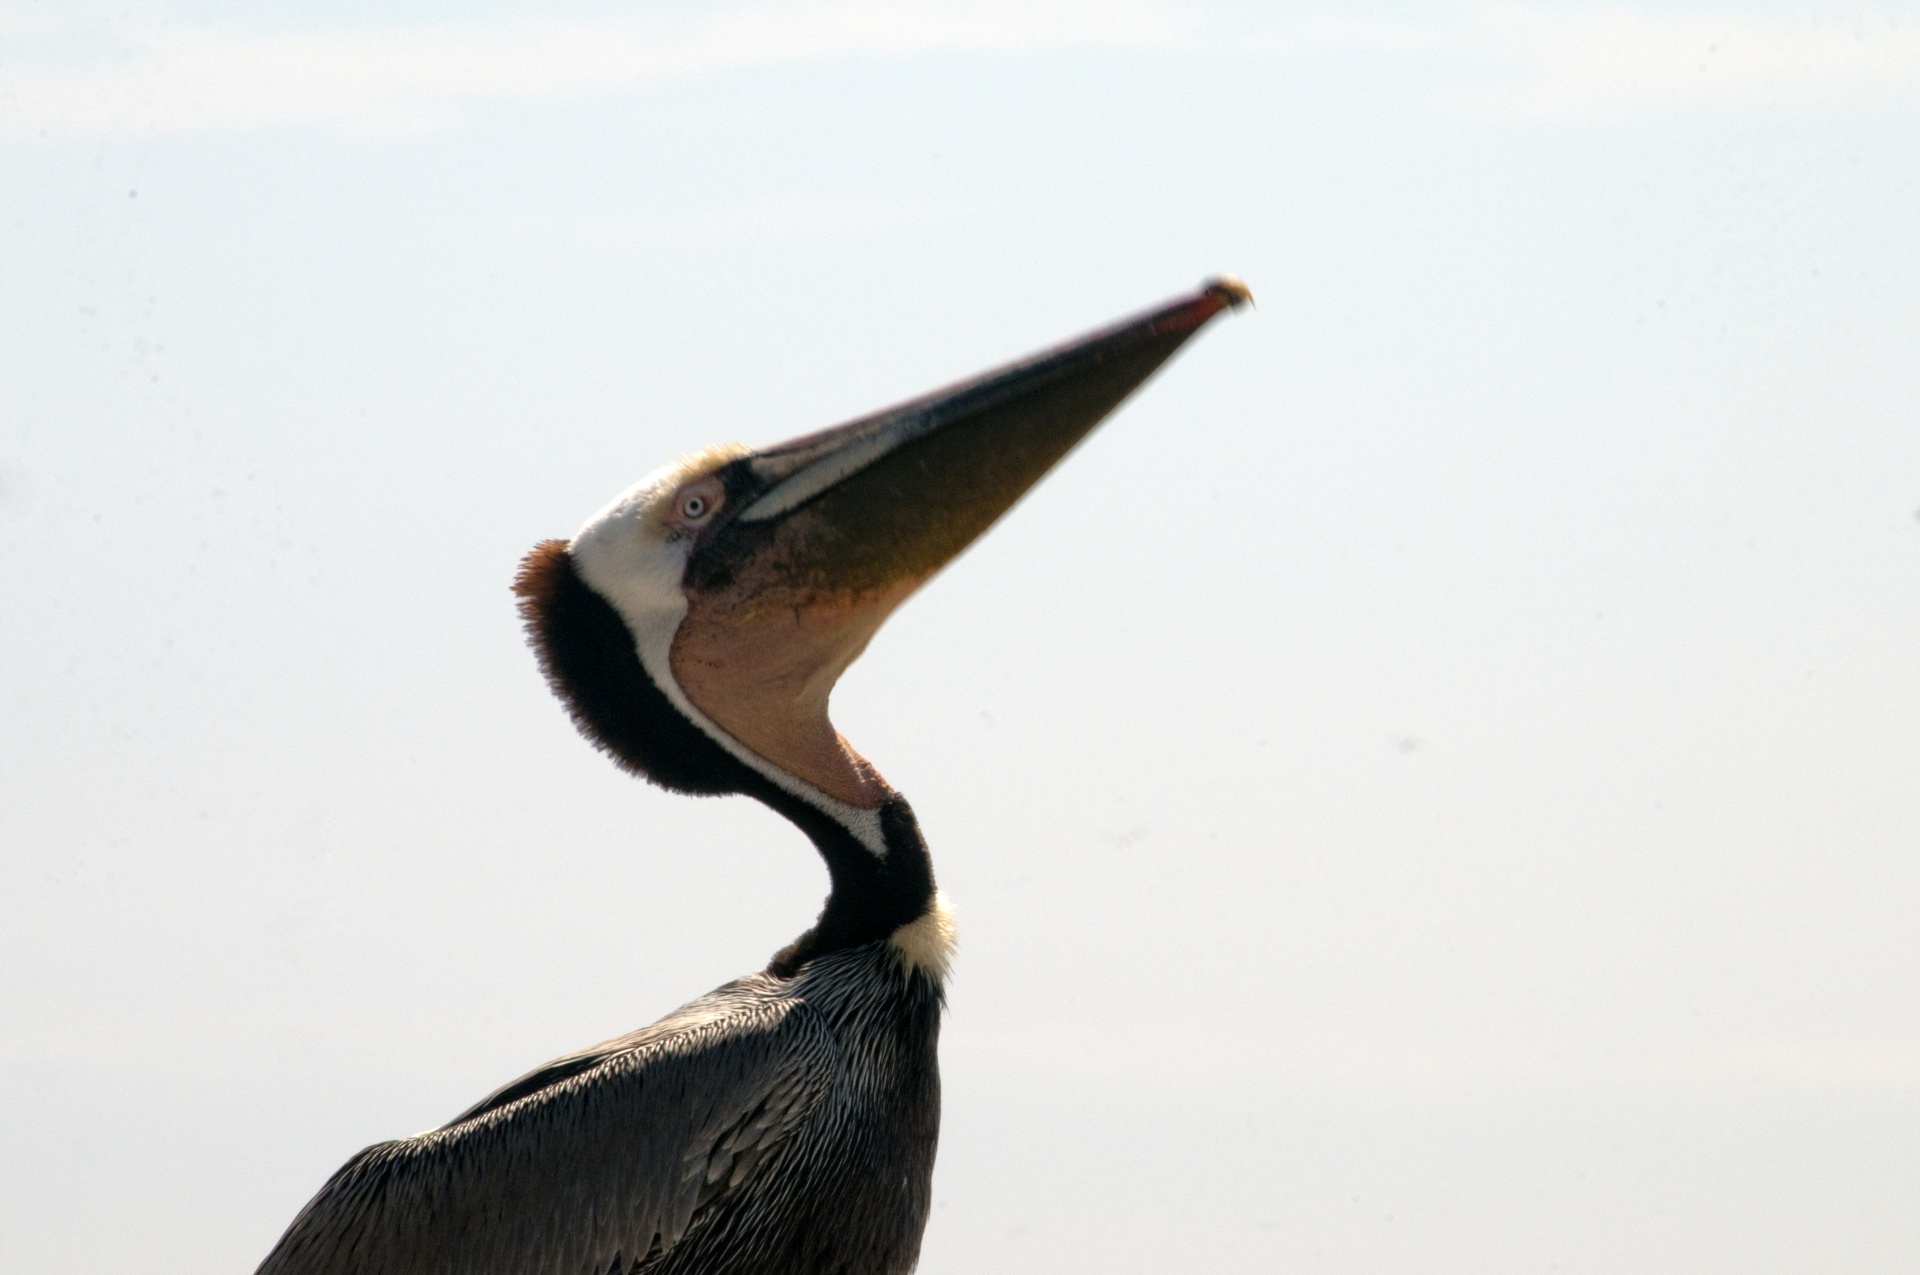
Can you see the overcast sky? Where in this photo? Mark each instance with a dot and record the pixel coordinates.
(1432, 786)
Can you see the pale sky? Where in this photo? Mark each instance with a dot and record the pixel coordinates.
(1432, 786)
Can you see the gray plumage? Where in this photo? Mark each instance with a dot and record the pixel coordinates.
(773, 1124)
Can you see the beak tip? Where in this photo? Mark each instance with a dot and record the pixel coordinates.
(1229, 290)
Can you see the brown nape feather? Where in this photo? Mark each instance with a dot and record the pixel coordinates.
(588, 655)
(546, 575)
(537, 584)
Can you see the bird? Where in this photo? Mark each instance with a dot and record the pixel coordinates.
(786, 1122)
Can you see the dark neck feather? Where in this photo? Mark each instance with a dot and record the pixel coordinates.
(871, 897)
(589, 658)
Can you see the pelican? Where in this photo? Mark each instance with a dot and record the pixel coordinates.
(694, 628)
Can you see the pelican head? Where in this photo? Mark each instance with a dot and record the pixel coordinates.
(697, 625)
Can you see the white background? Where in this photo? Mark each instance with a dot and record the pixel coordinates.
(1432, 786)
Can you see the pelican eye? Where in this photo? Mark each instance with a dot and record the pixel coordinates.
(693, 507)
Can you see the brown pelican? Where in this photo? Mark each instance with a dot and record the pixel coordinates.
(694, 628)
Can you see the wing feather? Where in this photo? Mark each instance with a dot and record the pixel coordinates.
(580, 1167)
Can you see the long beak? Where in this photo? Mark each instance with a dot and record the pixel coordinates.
(885, 501)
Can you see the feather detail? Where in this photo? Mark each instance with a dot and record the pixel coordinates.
(927, 943)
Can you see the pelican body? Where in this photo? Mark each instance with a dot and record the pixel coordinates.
(785, 1123)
